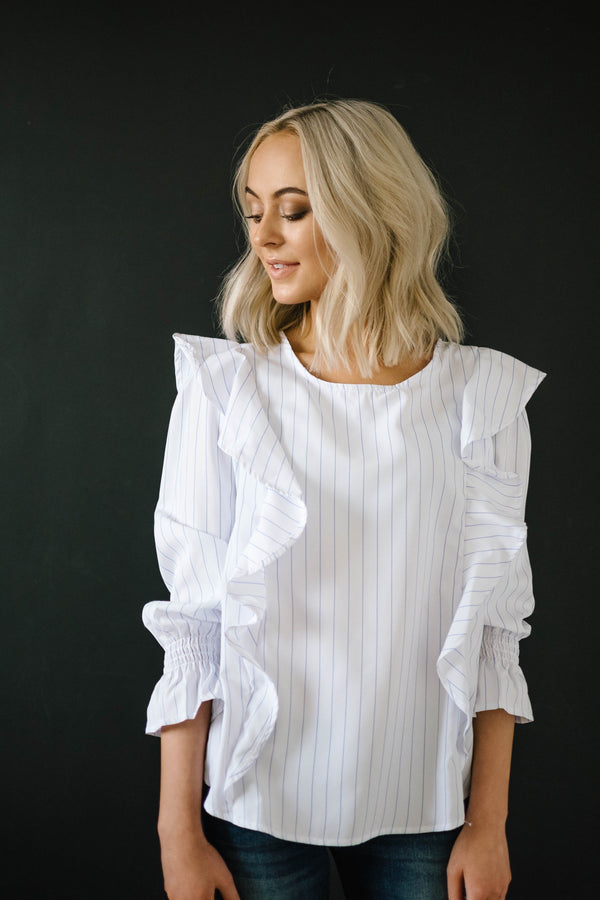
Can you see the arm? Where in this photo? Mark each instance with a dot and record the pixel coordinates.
(479, 866)
(193, 520)
(192, 868)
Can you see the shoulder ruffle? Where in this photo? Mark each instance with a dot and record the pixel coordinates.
(496, 389)
(226, 373)
(193, 352)
(228, 381)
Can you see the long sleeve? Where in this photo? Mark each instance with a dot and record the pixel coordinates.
(501, 683)
(193, 520)
(478, 664)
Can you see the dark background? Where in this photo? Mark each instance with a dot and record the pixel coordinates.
(118, 128)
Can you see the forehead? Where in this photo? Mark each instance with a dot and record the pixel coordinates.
(277, 163)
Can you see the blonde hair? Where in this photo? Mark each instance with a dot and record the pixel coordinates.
(386, 224)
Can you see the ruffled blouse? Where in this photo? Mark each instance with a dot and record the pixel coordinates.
(348, 579)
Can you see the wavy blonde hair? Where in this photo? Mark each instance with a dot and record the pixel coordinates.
(386, 223)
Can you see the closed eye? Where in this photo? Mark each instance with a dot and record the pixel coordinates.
(295, 217)
(292, 217)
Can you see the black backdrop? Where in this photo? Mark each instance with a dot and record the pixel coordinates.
(118, 130)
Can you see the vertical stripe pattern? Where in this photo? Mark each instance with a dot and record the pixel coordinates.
(374, 585)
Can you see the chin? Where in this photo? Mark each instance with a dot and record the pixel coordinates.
(287, 301)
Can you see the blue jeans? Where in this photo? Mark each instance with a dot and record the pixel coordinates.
(391, 867)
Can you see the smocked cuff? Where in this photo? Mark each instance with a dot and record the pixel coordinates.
(190, 677)
(200, 649)
(501, 683)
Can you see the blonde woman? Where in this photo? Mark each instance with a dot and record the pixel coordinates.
(340, 525)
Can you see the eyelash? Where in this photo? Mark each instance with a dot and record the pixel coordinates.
(294, 217)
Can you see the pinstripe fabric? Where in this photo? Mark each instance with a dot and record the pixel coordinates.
(349, 582)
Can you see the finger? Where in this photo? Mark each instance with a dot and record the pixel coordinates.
(230, 894)
(228, 891)
(456, 886)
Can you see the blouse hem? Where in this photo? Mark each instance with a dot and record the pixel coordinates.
(335, 841)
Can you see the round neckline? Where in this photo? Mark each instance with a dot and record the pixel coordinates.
(357, 385)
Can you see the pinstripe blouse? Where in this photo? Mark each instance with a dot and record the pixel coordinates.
(348, 579)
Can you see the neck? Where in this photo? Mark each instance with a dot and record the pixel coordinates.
(303, 344)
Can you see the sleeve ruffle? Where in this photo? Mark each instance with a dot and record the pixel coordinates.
(192, 522)
(478, 663)
(500, 681)
(188, 625)
(223, 372)
(190, 677)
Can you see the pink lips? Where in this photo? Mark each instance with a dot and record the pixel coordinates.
(279, 268)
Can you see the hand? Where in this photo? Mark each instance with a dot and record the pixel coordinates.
(193, 869)
(479, 868)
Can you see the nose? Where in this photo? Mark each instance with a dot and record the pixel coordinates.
(267, 232)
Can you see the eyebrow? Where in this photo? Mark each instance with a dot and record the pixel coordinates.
(280, 192)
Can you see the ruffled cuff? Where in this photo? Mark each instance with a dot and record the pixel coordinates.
(190, 677)
(501, 683)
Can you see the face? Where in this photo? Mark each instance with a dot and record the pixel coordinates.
(283, 232)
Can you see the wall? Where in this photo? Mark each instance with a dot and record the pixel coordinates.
(117, 138)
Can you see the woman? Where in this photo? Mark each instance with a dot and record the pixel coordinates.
(340, 525)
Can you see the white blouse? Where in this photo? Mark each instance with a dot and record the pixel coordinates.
(348, 579)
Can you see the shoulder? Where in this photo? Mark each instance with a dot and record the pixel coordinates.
(191, 351)
(213, 364)
(474, 361)
(494, 385)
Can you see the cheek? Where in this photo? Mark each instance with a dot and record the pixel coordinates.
(323, 258)
(322, 251)
(314, 250)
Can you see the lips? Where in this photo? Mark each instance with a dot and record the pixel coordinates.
(279, 268)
